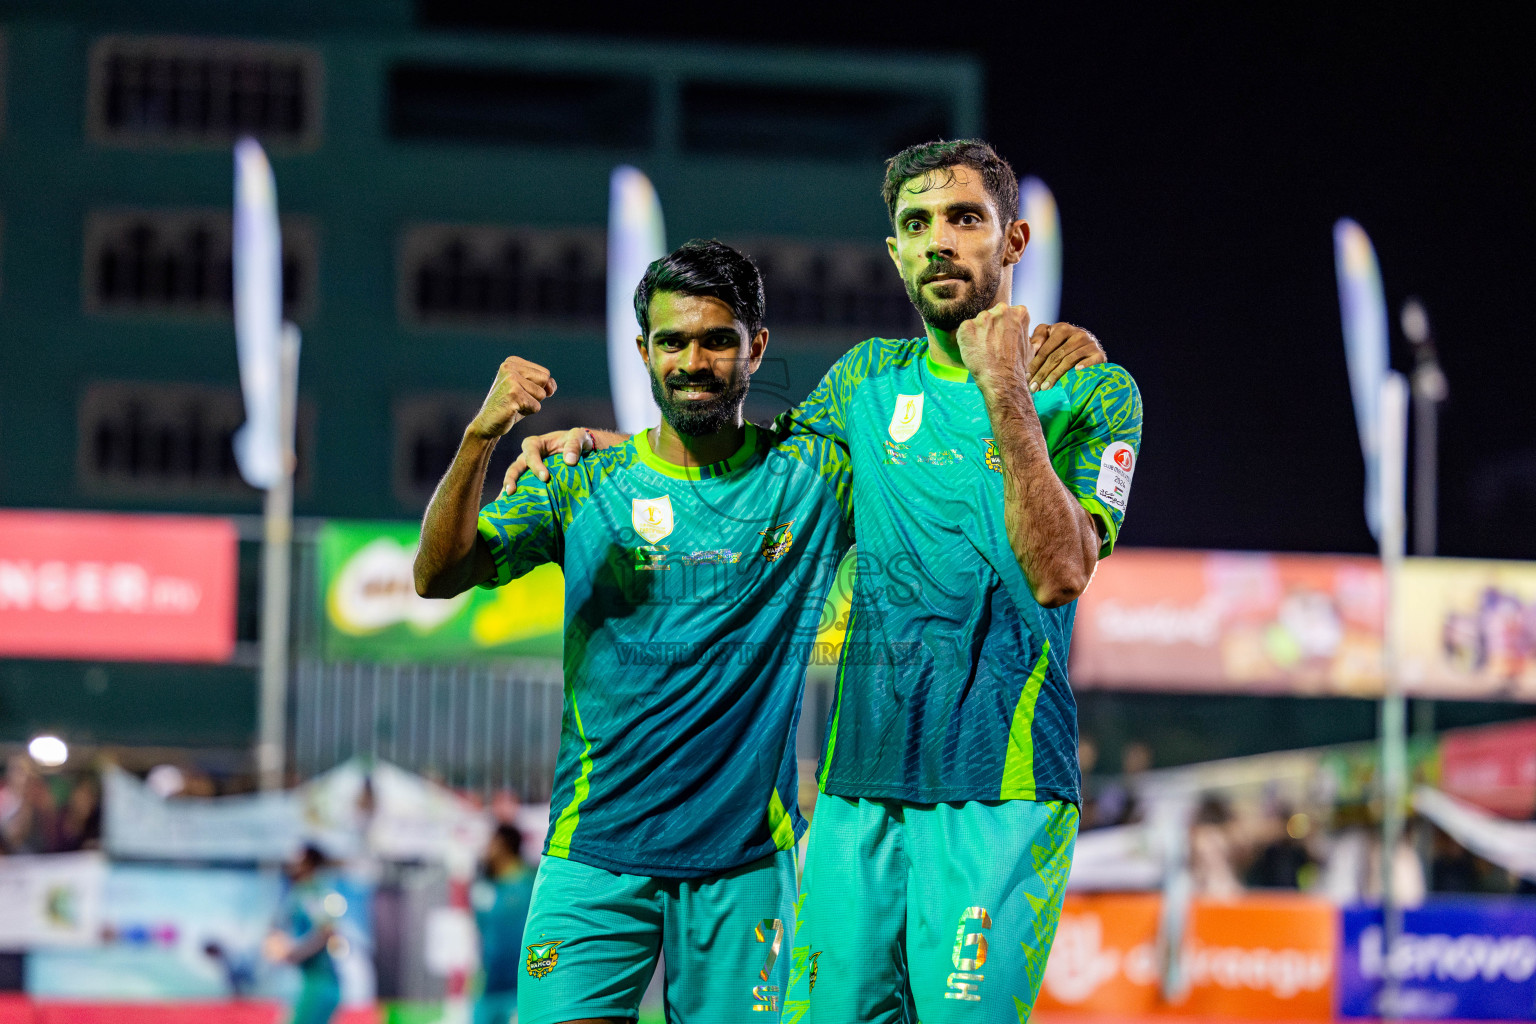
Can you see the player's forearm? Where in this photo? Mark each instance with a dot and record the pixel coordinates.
(1052, 536)
(445, 561)
(310, 944)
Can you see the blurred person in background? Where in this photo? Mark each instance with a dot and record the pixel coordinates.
(1212, 851)
(80, 823)
(501, 902)
(1352, 870)
(305, 935)
(1283, 860)
(1088, 762)
(1119, 801)
(28, 815)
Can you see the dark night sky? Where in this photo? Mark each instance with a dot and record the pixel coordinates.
(1200, 158)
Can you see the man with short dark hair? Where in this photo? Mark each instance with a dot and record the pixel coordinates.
(696, 558)
(500, 901)
(949, 781)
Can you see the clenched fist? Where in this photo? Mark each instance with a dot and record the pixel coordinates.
(995, 343)
(519, 389)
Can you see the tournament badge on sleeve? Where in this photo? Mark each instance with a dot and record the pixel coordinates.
(542, 957)
(1115, 471)
(652, 517)
(907, 417)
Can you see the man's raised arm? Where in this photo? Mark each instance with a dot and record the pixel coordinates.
(452, 556)
(1053, 537)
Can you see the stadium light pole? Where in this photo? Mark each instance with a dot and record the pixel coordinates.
(1429, 390)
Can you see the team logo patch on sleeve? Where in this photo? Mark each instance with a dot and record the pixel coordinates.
(907, 417)
(652, 517)
(542, 958)
(1115, 470)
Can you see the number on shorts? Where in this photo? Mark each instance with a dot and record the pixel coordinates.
(967, 979)
(766, 997)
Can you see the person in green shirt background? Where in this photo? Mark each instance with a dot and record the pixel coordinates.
(500, 900)
(304, 935)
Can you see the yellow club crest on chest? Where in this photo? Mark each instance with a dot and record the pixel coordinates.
(652, 517)
(907, 417)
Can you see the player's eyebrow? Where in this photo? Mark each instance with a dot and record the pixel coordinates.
(964, 206)
(673, 334)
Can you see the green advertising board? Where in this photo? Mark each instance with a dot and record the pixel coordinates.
(372, 611)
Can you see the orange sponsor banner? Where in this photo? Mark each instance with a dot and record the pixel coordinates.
(1260, 958)
(1231, 621)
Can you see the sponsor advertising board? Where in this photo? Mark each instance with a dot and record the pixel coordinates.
(1457, 959)
(1469, 628)
(1231, 621)
(1263, 958)
(1493, 767)
(372, 610)
(118, 587)
(51, 900)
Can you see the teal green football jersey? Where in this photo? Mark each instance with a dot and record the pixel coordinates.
(693, 597)
(953, 679)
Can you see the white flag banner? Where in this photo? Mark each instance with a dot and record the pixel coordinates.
(258, 287)
(1037, 275)
(636, 238)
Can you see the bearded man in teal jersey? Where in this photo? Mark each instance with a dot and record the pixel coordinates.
(696, 557)
(944, 832)
(950, 789)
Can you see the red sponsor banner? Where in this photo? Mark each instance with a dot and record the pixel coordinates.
(1492, 766)
(1261, 958)
(119, 587)
(1231, 621)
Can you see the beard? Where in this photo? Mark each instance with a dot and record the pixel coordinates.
(948, 314)
(695, 418)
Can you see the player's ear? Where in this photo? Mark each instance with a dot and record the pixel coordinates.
(890, 247)
(645, 357)
(1015, 238)
(755, 349)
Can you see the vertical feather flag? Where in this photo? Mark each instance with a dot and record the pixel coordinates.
(1363, 309)
(636, 237)
(258, 270)
(1037, 276)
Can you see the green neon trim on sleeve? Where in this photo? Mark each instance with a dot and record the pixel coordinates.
(501, 572)
(648, 456)
(570, 816)
(779, 823)
(1019, 766)
(837, 709)
(1111, 530)
(958, 374)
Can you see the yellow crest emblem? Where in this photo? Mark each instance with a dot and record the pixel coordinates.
(994, 455)
(542, 958)
(777, 540)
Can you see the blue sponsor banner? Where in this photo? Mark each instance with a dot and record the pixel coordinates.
(1458, 959)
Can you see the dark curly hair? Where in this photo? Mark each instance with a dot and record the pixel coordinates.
(936, 162)
(711, 268)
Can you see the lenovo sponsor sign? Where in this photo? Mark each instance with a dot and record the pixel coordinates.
(1261, 958)
(1462, 959)
(119, 587)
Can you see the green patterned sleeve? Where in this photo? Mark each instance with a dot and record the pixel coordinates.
(831, 462)
(1097, 455)
(523, 529)
(824, 410)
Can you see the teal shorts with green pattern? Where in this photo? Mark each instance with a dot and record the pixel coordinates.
(593, 938)
(934, 912)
